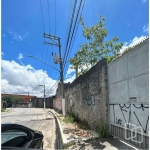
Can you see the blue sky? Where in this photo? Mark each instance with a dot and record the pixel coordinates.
(23, 23)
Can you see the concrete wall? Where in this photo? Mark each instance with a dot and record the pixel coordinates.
(87, 95)
(58, 104)
(128, 79)
(58, 100)
(39, 102)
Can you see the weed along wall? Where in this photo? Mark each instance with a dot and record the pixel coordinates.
(87, 96)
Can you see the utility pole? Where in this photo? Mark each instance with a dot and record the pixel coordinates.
(44, 94)
(56, 42)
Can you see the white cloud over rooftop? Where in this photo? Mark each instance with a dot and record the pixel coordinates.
(146, 28)
(18, 78)
(132, 43)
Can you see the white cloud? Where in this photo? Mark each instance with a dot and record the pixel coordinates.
(135, 41)
(70, 79)
(146, 28)
(70, 76)
(16, 36)
(20, 56)
(2, 53)
(70, 71)
(19, 79)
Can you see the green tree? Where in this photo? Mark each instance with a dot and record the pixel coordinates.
(4, 104)
(17, 99)
(96, 48)
(8, 99)
(12, 99)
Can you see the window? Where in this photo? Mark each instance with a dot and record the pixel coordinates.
(13, 138)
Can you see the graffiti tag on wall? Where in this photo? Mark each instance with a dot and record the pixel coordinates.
(89, 100)
(126, 111)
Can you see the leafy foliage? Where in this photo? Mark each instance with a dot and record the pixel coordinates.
(17, 99)
(96, 48)
(8, 99)
(68, 119)
(12, 99)
(2, 109)
(4, 104)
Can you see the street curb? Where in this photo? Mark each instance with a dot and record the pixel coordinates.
(62, 135)
(60, 128)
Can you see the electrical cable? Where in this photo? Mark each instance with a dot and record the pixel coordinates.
(41, 76)
(68, 38)
(52, 87)
(42, 15)
(71, 4)
(55, 19)
(74, 30)
(48, 15)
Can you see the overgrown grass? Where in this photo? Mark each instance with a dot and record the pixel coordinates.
(103, 129)
(71, 118)
(68, 119)
(3, 109)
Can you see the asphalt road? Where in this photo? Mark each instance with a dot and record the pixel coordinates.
(36, 119)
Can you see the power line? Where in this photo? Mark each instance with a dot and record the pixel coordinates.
(51, 90)
(47, 48)
(68, 23)
(41, 76)
(42, 15)
(53, 87)
(74, 30)
(55, 19)
(68, 38)
(48, 14)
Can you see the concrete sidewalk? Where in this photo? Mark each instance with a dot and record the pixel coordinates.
(74, 137)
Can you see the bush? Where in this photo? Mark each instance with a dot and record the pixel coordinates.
(4, 104)
(68, 119)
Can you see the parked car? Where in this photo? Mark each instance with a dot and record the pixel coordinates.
(15, 135)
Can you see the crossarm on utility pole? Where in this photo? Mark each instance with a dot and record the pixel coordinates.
(54, 39)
